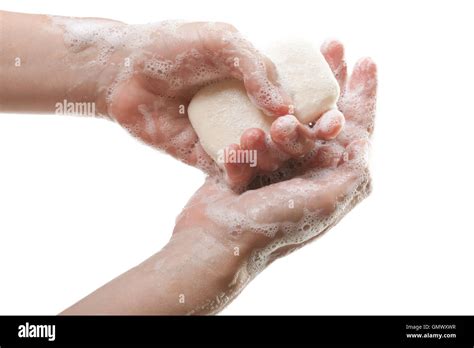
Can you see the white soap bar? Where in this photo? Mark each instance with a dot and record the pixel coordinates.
(221, 112)
(306, 76)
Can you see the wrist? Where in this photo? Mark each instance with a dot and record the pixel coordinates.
(222, 258)
(217, 265)
(94, 55)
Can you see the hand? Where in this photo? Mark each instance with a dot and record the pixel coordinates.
(222, 240)
(151, 99)
(143, 76)
(271, 221)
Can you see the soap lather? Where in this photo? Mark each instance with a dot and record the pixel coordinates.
(221, 112)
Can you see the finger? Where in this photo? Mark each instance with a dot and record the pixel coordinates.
(260, 80)
(358, 151)
(358, 104)
(256, 71)
(228, 49)
(333, 52)
(291, 136)
(255, 139)
(238, 172)
(327, 127)
(363, 80)
(327, 156)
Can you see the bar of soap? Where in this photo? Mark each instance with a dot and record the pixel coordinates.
(221, 112)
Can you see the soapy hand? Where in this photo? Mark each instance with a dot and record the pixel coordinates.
(151, 96)
(271, 221)
(144, 76)
(132, 74)
(223, 239)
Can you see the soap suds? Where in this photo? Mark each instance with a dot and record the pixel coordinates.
(290, 234)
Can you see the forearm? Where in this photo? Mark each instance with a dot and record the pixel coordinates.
(193, 274)
(39, 70)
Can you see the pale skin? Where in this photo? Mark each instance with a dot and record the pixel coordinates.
(206, 262)
(52, 70)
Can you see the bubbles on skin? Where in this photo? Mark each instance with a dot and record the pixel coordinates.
(355, 108)
(181, 71)
(158, 68)
(280, 156)
(313, 223)
(238, 221)
(133, 130)
(247, 220)
(205, 163)
(329, 155)
(215, 305)
(267, 95)
(285, 236)
(330, 120)
(111, 37)
(284, 131)
(150, 126)
(212, 306)
(108, 37)
(291, 138)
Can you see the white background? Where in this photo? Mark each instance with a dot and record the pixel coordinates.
(81, 201)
